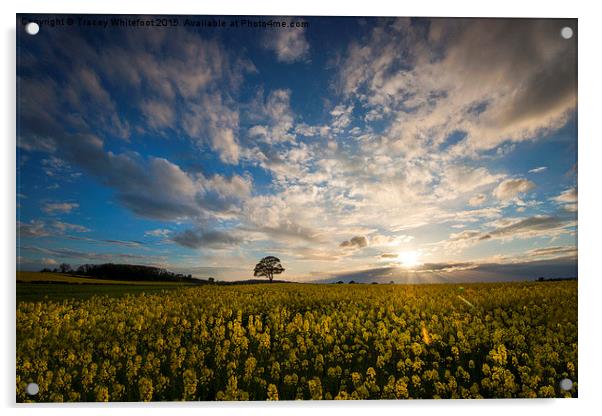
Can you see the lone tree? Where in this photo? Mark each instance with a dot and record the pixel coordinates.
(268, 267)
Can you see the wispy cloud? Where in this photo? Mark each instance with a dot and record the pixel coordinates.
(66, 253)
(40, 228)
(159, 232)
(59, 207)
(214, 239)
(511, 228)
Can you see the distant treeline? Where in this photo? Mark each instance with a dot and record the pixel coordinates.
(133, 272)
(555, 279)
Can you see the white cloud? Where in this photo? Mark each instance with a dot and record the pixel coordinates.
(32, 229)
(552, 252)
(65, 226)
(207, 239)
(54, 166)
(215, 122)
(39, 228)
(458, 180)
(341, 117)
(307, 130)
(278, 116)
(380, 240)
(566, 197)
(59, 207)
(567, 200)
(49, 262)
(67, 253)
(511, 228)
(477, 200)
(289, 44)
(159, 114)
(286, 217)
(159, 232)
(538, 170)
(180, 84)
(437, 81)
(510, 188)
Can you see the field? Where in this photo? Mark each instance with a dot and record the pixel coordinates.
(34, 286)
(32, 292)
(36, 277)
(295, 341)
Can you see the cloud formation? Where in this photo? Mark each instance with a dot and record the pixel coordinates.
(511, 228)
(356, 242)
(510, 188)
(477, 200)
(213, 239)
(567, 197)
(66, 253)
(440, 78)
(59, 207)
(159, 232)
(31, 229)
(277, 115)
(40, 228)
(289, 44)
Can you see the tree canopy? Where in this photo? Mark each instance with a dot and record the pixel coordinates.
(268, 267)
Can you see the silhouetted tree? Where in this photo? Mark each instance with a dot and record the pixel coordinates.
(268, 267)
(65, 268)
(211, 280)
(352, 282)
(340, 282)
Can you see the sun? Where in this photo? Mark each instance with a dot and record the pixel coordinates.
(409, 259)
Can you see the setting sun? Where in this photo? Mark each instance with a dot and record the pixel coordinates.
(409, 258)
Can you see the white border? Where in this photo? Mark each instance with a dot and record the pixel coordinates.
(590, 152)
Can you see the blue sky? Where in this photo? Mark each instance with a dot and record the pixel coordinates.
(421, 146)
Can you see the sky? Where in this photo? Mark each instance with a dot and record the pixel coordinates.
(386, 149)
